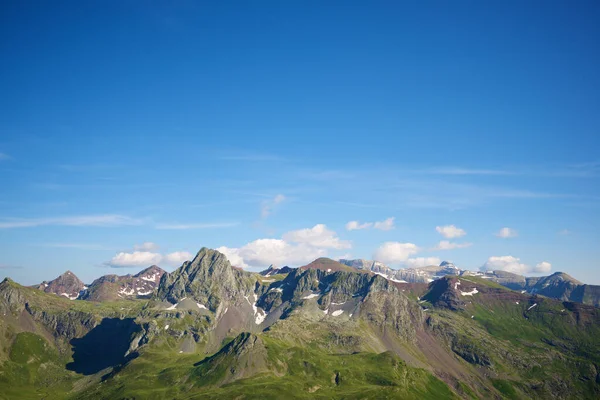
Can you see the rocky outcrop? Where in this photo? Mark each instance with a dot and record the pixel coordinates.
(444, 293)
(243, 357)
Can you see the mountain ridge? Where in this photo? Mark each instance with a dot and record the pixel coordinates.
(314, 332)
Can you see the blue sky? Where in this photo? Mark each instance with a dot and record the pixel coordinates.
(138, 132)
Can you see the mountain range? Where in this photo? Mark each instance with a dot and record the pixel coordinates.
(349, 329)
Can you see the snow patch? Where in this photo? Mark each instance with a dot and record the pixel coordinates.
(144, 293)
(311, 296)
(268, 280)
(126, 291)
(276, 289)
(259, 315)
(201, 306)
(326, 311)
(456, 285)
(337, 312)
(150, 278)
(534, 304)
(429, 280)
(166, 327)
(173, 306)
(69, 297)
(516, 302)
(471, 293)
(337, 304)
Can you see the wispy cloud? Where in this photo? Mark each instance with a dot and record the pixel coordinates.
(9, 266)
(465, 171)
(106, 220)
(255, 157)
(196, 225)
(447, 245)
(4, 156)
(80, 246)
(268, 206)
(385, 225)
(506, 233)
(89, 167)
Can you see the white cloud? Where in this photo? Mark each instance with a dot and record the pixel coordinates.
(447, 245)
(4, 156)
(450, 231)
(263, 252)
(107, 220)
(385, 225)
(422, 262)
(355, 225)
(145, 254)
(233, 255)
(294, 248)
(317, 236)
(269, 205)
(146, 246)
(196, 226)
(543, 267)
(507, 233)
(135, 259)
(80, 246)
(177, 258)
(564, 232)
(395, 252)
(514, 265)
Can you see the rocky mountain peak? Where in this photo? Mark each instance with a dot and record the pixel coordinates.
(209, 279)
(152, 273)
(328, 265)
(67, 284)
(448, 264)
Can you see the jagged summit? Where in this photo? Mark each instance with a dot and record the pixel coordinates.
(274, 270)
(208, 279)
(448, 264)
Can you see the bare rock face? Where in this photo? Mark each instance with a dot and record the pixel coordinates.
(114, 287)
(274, 270)
(444, 293)
(209, 279)
(67, 285)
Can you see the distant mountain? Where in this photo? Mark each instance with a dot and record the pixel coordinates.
(559, 286)
(409, 275)
(115, 287)
(67, 285)
(273, 270)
